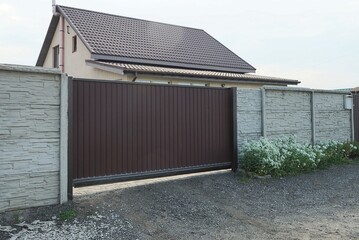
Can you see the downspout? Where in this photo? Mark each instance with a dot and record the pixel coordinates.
(134, 79)
(62, 44)
(61, 37)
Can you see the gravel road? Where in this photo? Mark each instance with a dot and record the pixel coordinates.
(218, 205)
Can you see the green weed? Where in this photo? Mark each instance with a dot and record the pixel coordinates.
(67, 215)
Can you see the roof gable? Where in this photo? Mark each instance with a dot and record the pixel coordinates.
(47, 42)
(119, 38)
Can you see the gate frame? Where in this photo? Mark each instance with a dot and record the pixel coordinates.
(70, 183)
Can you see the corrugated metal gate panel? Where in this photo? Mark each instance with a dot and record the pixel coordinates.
(356, 116)
(123, 130)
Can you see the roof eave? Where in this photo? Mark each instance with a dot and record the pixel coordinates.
(168, 64)
(105, 67)
(120, 70)
(47, 42)
(227, 79)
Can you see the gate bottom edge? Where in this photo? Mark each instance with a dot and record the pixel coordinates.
(81, 182)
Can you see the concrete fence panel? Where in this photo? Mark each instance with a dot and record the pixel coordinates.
(332, 121)
(30, 105)
(312, 115)
(356, 116)
(249, 115)
(288, 113)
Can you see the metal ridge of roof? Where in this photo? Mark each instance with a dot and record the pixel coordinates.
(114, 36)
(150, 69)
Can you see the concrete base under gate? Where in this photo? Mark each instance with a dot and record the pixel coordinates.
(95, 189)
(144, 175)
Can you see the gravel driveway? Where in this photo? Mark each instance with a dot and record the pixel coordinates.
(220, 205)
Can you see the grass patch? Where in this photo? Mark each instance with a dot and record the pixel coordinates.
(244, 179)
(18, 218)
(67, 215)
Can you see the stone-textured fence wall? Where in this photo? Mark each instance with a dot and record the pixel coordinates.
(312, 115)
(34, 118)
(356, 116)
(30, 137)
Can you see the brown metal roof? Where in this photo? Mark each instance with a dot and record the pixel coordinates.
(128, 67)
(111, 37)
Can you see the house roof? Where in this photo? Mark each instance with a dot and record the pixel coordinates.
(117, 38)
(172, 71)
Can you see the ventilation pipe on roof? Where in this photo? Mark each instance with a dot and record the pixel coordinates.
(61, 37)
(54, 8)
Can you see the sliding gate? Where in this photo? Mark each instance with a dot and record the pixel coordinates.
(122, 131)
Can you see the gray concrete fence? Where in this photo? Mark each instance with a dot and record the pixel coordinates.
(30, 137)
(312, 115)
(34, 118)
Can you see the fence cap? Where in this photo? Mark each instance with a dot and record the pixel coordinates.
(299, 89)
(32, 69)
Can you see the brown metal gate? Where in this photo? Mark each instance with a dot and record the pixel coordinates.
(356, 116)
(129, 131)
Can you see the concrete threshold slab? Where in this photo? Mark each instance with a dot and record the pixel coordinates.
(88, 190)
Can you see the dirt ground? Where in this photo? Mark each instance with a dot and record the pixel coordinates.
(217, 205)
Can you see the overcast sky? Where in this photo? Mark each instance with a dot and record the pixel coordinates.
(314, 41)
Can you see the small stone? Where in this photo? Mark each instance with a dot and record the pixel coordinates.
(35, 222)
(7, 229)
(262, 177)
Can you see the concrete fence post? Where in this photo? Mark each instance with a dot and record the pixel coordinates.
(313, 118)
(63, 137)
(235, 130)
(352, 124)
(264, 127)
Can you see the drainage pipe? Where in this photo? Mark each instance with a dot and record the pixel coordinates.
(62, 44)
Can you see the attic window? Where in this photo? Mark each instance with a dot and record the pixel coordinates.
(56, 56)
(74, 44)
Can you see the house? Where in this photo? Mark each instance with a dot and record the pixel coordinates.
(355, 90)
(88, 44)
